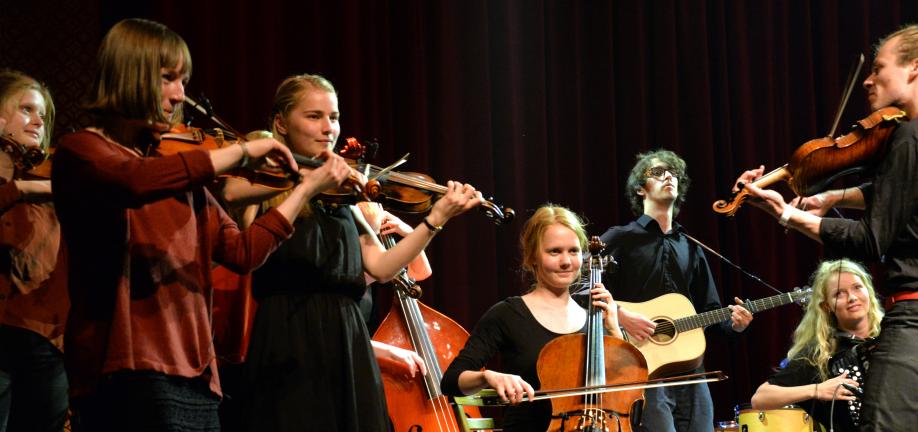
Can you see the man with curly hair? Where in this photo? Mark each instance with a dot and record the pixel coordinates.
(655, 258)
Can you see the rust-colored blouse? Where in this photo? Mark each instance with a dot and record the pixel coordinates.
(142, 233)
(33, 289)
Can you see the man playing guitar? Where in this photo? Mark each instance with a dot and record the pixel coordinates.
(656, 258)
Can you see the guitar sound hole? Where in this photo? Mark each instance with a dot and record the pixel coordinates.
(664, 332)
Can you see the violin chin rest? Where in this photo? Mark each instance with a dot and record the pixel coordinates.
(823, 185)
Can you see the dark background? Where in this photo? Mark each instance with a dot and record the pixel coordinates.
(532, 102)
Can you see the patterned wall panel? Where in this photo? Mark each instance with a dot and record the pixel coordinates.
(55, 42)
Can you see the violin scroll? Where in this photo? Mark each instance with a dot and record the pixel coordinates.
(24, 157)
(729, 208)
(498, 214)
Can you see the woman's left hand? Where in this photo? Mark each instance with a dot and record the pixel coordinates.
(602, 299)
(411, 359)
(458, 199)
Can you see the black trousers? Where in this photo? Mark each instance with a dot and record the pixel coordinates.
(147, 401)
(33, 383)
(891, 386)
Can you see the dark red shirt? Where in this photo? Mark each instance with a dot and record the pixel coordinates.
(142, 233)
(33, 289)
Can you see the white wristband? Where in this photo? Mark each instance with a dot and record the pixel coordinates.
(785, 217)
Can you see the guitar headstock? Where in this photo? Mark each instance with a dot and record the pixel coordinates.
(802, 295)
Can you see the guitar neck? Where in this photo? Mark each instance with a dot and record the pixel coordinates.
(719, 315)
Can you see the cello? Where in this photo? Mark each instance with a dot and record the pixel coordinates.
(593, 360)
(417, 404)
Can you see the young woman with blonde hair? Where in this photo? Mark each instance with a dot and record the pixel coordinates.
(311, 365)
(33, 289)
(552, 244)
(842, 313)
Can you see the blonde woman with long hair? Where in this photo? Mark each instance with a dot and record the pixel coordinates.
(842, 313)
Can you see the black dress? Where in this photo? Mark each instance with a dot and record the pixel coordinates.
(508, 329)
(800, 372)
(310, 364)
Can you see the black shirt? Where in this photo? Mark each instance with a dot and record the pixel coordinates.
(510, 329)
(800, 372)
(888, 232)
(652, 263)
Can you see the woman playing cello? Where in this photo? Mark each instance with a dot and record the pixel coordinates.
(552, 245)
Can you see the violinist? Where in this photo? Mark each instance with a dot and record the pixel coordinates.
(33, 290)
(142, 231)
(887, 233)
(842, 313)
(655, 258)
(310, 364)
(517, 328)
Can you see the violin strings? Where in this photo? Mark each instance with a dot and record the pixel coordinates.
(409, 180)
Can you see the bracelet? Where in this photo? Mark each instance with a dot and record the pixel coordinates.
(245, 154)
(820, 197)
(785, 217)
(431, 227)
(816, 391)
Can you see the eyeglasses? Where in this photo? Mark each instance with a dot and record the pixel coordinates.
(660, 171)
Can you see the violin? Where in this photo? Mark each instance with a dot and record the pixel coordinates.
(415, 192)
(405, 192)
(821, 161)
(593, 360)
(418, 403)
(185, 138)
(28, 161)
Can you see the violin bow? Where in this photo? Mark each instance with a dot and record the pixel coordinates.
(846, 95)
(205, 108)
(208, 111)
(849, 88)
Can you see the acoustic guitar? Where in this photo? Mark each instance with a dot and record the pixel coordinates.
(677, 344)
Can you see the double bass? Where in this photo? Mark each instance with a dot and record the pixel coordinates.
(416, 403)
(593, 360)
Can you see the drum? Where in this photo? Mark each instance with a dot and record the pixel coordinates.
(788, 419)
(726, 426)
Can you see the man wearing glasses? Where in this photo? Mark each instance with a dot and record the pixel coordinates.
(656, 258)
